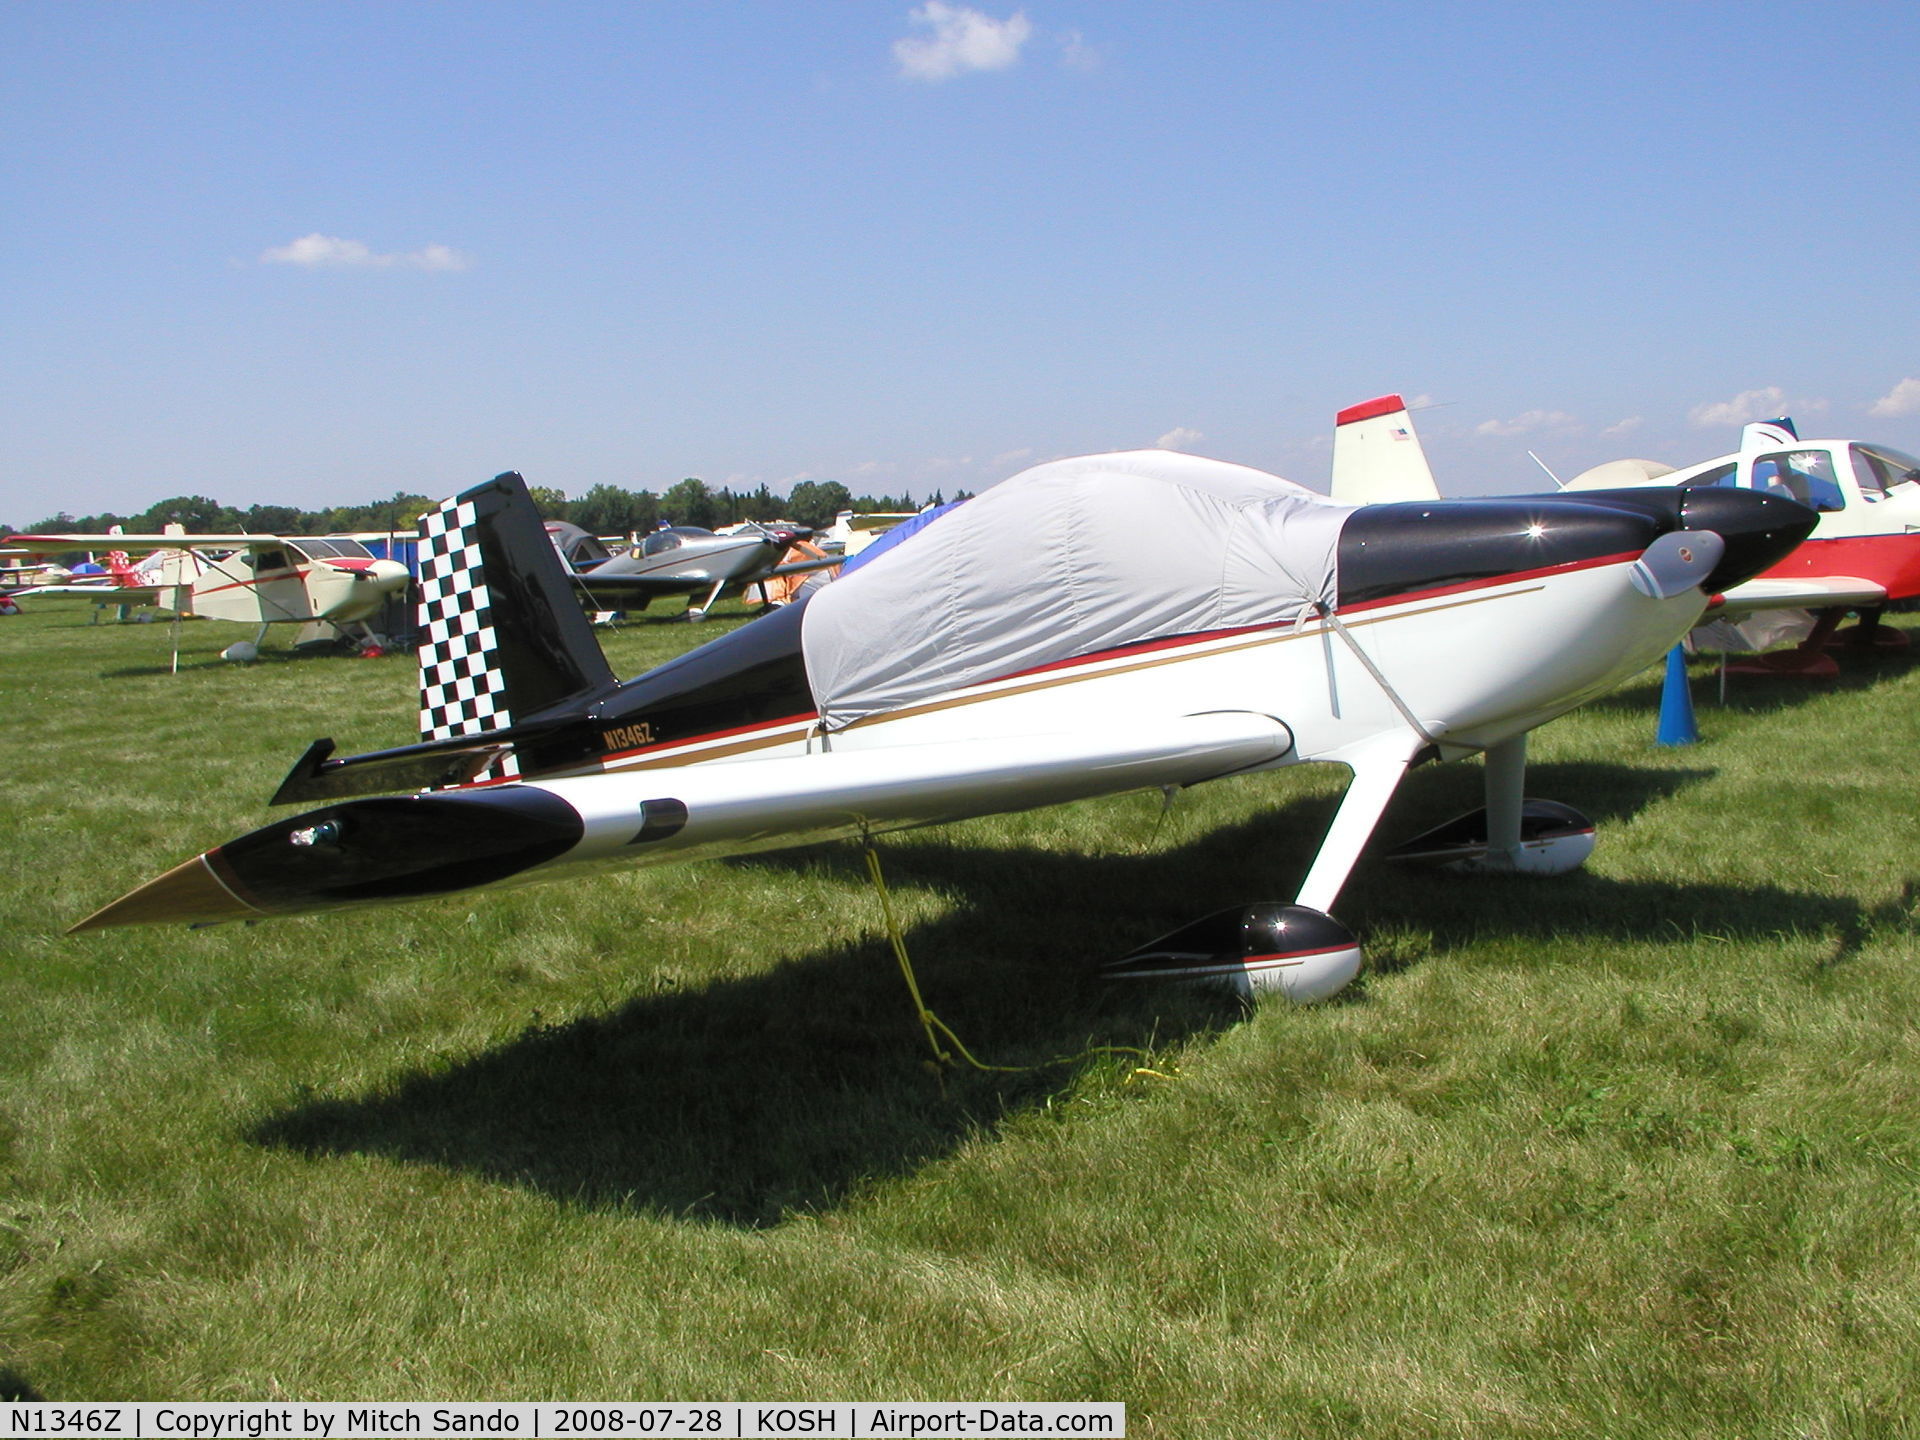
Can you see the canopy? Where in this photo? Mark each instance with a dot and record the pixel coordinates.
(1066, 559)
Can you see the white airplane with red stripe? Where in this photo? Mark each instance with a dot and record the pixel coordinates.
(1042, 663)
(1863, 552)
(249, 579)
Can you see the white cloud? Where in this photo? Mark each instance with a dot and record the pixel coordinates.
(1075, 53)
(331, 252)
(1624, 427)
(1179, 438)
(1527, 424)
(963, 39)
(1903, 399)
(1747, 405)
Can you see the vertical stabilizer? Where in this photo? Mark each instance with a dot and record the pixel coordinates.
(175, 572)
(502, 637)
(1377, 458)
(1768, 434)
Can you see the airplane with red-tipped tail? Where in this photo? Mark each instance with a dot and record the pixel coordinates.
(249, 579)
(1863, 553)
(1273, 627)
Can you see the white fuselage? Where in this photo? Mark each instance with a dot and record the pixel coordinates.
(1474, 668)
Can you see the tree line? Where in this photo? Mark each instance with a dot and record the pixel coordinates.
(603, 510)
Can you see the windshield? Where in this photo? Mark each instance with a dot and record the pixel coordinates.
(1805, 475)
(661, 541)
(1719, 475)
(1879, 468)
(334, 547)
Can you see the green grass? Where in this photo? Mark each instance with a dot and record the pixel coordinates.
(1626, 1153)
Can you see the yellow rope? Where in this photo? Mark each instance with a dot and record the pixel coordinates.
(935, 1026)
(929, 1021)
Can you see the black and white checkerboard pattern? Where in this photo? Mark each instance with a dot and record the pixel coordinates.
(462, 692)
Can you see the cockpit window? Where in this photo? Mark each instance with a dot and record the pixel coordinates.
(267, 560)
(1879, 468)
(333, 547)
(1719, 475)
(661, 541)
(1805, 475)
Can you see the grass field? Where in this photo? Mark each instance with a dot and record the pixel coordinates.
(1634, 1152)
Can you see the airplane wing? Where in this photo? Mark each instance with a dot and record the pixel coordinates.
(1810, 592)
(617, 586)
(58, 544)
(106, 594)
(801, 567)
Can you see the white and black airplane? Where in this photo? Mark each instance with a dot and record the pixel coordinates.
(678, 560)
(1272, 627)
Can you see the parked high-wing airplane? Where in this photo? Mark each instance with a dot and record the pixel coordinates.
(1864, 552)
(164, 578)
(1273, 627)
(677, 560)
(257, 579)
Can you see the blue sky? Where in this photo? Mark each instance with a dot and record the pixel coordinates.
(315, 254)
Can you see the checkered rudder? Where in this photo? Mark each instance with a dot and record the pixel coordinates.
(462, 691)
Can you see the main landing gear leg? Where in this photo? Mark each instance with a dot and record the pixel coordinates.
(1870, 634)
(1506, 783)
(1512, 835)
(1806, 661)
(1297, 950)
(699, 612)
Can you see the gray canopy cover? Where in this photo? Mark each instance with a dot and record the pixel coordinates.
(1066, 559)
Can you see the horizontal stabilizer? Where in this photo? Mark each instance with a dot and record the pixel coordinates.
(433, 766)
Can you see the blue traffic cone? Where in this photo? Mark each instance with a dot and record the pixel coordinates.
(1676, 703)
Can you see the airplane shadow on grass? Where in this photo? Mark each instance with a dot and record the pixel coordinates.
(266, 659)
(754, 1099)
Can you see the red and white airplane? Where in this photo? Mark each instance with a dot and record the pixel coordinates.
(1864, 552)
(249, 579)
(163, 578)
(1275, 627)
